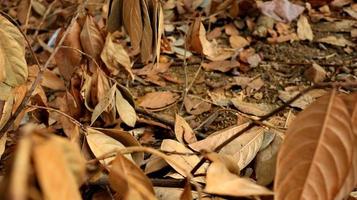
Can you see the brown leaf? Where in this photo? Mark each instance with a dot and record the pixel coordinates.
(336, 41)
(101, 144)
(129, 181)
(238, 42)
(155, 100)
(315, 158)
(22, 10)
(69, 58)
(113, 55)
(49, 156)
(187, 192)
(304, 30)
(154, 164)
(115, 17)
(222, 182)
(252, 108)
(91, 39)
(13, 67)
(281, 10)
(133, 22)
(196, 106)
(183, 131)
(222, 66)
(303, 101)
(186, 161)
(147, 39)
(104, 103)
(52, 81)
(125, 110)
(2, 144)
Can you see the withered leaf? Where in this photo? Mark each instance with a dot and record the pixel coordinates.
(133, 22)
(319, 146)
(104, 103)
(13, 67)
(221, 181)
(252, 108)
(183, 131)
(125, 110)
(304, 30)
(147, 39)
(115, 17)
(101, 144)
(113, 55)
(68, 58)
(156, 100)
(49, 156)
(2, 144)
(129, 181)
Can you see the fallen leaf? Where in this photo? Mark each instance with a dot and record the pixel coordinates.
(114, 55)
(3, 144)
(222, 66)
(319, 146)
(222, 182)
(68, 58)
(196, 106)
(49, 157)
(303, 101)
(304, 30)
(252, 108)
(154, 164)
(132, 21)
(336, 41)
(183, 131)
(265, 162)
(146, 50)
(125, 110)
(129, 181)
(52, 81)
(103, 104)
(13, 67)
(238, 42)
(188, 161)
(115, 17)
(155, 100)
(101, 144)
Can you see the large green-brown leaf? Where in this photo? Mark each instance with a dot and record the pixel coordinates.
(315, 159)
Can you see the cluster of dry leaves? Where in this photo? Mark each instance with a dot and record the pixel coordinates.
(76, 125)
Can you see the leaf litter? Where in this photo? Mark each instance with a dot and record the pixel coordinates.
(170, 99)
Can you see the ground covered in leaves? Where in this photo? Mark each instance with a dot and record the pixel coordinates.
(122, 99)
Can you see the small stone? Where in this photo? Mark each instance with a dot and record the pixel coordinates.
(315, 73)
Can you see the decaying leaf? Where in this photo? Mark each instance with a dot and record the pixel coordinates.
(337, 41)
(104, 103)
(126, 111)
(101, 144)
(129, 181)
(318, 146)
(183, 131)
(304, 29)
(196, 106)
(155, 100)
(53, 155)
(13, 67)
(113, 55)
(132, 22)
(68, 57)
(252, 108)
(2, 144)
(221, 181)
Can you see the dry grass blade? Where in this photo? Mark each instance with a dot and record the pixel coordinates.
(315, 160)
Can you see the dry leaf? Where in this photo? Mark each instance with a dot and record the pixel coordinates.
(196, 106)
(115, 17)
(50, 156)
(129, 181)
(281, 10)
(252, 108)
(183, 131)
(52, 81)
(155, 100)
(154, 164)
(3, 144)
(68, 58)
(133, 22)
(125, 110)
(303, 101)
(91, 39)
(113, 55)
(104, 103)
(146, 50)
(101, 144)
(238, 42)
(187, 192)
(222, 182)
(265, 162)
(222, 66)
(304, 30)
(337, 41)
(186, 161)
(315, 158)
(13, 67)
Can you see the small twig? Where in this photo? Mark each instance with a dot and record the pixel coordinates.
(272, 113)
(155, 116)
